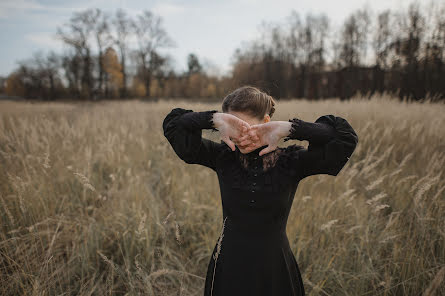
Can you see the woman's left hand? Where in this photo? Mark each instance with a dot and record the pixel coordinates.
(269, 133)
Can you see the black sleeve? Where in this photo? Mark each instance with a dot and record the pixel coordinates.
(332, 141)
(183, 130)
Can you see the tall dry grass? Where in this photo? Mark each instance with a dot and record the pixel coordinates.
(93, 201)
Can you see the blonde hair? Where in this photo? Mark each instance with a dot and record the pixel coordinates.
(250, 100)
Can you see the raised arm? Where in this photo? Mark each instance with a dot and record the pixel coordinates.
(183, 129)
(332, 140)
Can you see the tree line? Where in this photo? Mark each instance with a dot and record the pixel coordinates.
(100, 63)
(395, 52)
(398, 52)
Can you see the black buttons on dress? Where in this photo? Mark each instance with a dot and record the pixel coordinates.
(255, 175)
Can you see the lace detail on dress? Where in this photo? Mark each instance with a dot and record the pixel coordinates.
(269, 159)
(277, 170)
(295, 123)
(210, 119)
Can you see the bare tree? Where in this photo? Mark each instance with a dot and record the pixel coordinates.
(307, 49)
(49, 66)
(354, 38)
(151, 37)
(122, 25)
(382, 39)
(77, 34)
(103, 38)
(313, 37)
(194, 66)
(439, 32)
(293, 41)
(349, 55)
(72, 65)
(39, 76)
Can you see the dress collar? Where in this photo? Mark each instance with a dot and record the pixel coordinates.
(252, 153)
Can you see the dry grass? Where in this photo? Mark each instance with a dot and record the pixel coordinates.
(93, 201)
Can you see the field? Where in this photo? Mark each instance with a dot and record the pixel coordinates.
(94, 201)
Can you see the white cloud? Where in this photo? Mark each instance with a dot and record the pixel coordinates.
(19, 4)
(167, 9)
(44, 39)
(25, 8)
(9, 8)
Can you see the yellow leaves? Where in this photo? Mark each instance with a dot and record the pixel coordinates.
(113, 70)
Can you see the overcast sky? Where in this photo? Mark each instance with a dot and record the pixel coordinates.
(209, 28)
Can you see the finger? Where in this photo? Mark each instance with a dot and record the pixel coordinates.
(229, 143)
(248, 134)
(244, 137)
(253, 136)
(252, 146)
(241, 147)
(240, 144)
(249, 149)
(267, 150)
(245, 134)
(244, 125)
(252, 133)
(247, 142)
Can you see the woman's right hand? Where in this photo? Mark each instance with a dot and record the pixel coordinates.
(230, 128)
(268, 133)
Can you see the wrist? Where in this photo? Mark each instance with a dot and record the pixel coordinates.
(285, 128)
(217, 119)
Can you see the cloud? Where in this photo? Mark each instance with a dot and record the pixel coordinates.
(19, 4)
(24, 8)
(44, 39)
(9, 8)
(167, 9)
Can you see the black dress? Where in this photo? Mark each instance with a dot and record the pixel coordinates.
(252, 255)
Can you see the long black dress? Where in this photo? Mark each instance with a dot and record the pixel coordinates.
(252, 255)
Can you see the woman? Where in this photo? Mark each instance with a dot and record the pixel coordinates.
(257, 181)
